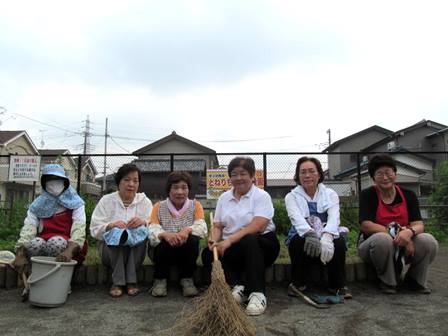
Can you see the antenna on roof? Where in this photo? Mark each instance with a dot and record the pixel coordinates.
(42, 142)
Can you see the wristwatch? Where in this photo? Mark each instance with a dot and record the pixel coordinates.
(414, 233)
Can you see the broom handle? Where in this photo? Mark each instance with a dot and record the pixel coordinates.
(215, 250)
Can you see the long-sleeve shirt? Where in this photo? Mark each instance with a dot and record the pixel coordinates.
(110, 208)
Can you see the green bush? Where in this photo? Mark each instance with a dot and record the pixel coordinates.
(89, 205)
(439, 199)
(349, 213)
(11, 221)
(281, 218)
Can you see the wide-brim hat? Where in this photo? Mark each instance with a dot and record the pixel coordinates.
(54, 169)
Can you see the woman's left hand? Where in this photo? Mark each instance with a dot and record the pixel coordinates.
(183, 235)
(403, 238)
(222, 246)
(135, 222)
(410, 249)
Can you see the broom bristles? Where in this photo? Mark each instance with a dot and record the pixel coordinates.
(215, 312)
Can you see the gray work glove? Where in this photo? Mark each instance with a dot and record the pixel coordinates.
(312, 244)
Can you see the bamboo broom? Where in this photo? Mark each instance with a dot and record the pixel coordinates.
(216, 312)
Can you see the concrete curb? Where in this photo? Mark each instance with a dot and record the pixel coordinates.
(91, 275)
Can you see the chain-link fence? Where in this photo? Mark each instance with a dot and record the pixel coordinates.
(93, 175)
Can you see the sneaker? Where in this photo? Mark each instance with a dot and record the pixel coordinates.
(387, 289)
(344, 292)
(238, 294)
(159, 288)
(257, 304)
(413, 285)
(188, 287)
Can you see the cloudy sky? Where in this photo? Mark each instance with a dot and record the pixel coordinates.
(232, 75)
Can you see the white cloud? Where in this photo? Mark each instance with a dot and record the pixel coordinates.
(280, 71)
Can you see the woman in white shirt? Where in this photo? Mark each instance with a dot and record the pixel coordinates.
(314, 237)
(244, 235)
(119, 222)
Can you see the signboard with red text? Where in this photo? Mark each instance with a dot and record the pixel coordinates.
(218, 181)
(24, 168)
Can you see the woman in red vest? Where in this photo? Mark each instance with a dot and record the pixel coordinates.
(393, 231)
(55, 224)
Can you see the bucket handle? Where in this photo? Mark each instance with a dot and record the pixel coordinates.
(54, 269)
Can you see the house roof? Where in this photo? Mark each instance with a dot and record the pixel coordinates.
(86, 160)
(54, 152)
(430, 135)
(173, 136)
(49, 155)
(420, 124)
(164, 165)
(351, 170)
(350, 137)
(6, 137)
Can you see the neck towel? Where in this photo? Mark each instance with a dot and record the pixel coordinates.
(178, 213)
(46, 205)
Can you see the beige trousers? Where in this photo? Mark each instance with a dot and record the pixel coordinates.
(379, 250)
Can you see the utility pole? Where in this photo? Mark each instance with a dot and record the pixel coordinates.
(105, 158)
(42, 142)
(87, 136)
(328, 159)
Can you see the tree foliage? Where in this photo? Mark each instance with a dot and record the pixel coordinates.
(439, 198)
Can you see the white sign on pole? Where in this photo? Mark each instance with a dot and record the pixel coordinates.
(24, 168)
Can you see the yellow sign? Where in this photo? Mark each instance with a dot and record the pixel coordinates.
(218, 181)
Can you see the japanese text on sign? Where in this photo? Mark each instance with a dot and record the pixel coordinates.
(218, 181)
(24, 168)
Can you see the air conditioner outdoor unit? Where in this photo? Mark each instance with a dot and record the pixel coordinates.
(391, 145)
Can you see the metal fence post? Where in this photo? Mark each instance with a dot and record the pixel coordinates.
(265, 173)
(78, 186)
(358, 176)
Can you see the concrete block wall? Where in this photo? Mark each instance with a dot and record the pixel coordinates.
(91, 275)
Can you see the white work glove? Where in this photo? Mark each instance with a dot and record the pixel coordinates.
(326, 247)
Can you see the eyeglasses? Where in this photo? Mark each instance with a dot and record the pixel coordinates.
(305, 172)
(382, 173)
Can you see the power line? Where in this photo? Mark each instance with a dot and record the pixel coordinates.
(126, 150)
(47, 124)
(247, 140)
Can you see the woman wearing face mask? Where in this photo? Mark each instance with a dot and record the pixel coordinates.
(55, 224)
(119, 222)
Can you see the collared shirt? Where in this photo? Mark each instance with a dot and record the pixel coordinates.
(233, 214)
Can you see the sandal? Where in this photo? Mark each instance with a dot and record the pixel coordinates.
(133, 290)
(115, 291)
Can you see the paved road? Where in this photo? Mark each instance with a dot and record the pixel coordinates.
(90, 311)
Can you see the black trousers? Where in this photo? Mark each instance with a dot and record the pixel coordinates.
(249, 256)
(301, 263)
(184, 257)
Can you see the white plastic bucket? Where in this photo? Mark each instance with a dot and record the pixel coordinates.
(49, 281)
